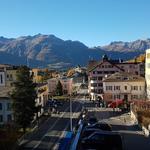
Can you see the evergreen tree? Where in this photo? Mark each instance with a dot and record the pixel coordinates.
(59, 89)
(23, 96)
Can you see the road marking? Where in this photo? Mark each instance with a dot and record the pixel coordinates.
(56, 146)
(61, 116)
(48, 130)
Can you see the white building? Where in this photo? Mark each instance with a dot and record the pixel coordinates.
(124, 86)
(5, 106)
(97, 70)
(2, 78)
(42, 97)
(147, 72)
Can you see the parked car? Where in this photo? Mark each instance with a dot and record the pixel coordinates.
(101, 126)
(88, 131)
(102, 140)
(92, 120)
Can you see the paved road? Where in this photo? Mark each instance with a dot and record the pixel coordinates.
(50, 133)
(133, 138)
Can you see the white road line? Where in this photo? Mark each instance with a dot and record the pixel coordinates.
(48, 131)
(61, 116)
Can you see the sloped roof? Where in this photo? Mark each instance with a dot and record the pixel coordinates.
(123, 77)
(100, 63)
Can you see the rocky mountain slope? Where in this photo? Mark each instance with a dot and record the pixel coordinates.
(50, 51)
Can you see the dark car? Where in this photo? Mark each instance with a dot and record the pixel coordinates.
(92, 120)
(101, 126)
(58, 103)
(102, 140)
(87, 132)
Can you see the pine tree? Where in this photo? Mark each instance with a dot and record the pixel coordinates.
(23, 96)
(59, 89)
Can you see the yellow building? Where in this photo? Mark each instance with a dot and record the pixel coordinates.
(10, 76)
(38, 75)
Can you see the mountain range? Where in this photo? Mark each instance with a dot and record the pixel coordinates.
(50, 51)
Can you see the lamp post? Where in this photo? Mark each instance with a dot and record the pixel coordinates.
(71, 114)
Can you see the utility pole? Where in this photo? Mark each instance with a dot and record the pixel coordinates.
(71, 115)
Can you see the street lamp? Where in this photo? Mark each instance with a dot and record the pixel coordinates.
(71, 114)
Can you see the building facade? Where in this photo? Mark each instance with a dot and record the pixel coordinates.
(106, 67)
(42, 98)
(147, 73)
(66, 84)
(6, 113)
(124, 86)
(96, 74)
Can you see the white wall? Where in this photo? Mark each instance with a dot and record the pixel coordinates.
(2, 79)
(140, 92)
(4, 112)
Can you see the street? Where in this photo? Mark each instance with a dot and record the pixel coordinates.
(49, 134)
(132, 135)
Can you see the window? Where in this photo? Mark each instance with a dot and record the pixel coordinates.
(125, 87)
(65, 86)
(40, 99)
(1, 118)
(140, 88)
(1, 78)
(99, 72)
(9, 118)
(1, 106)
(135, 88)
(100, 78)
(93, 72)
(116, 96)
(110, 66)
(8, 106)
(112, 72)
(106, 72)
(94, 84)
(100, 91)
(134, 96)
(94, 91)
(11, 77)
(108, 88)
(94, 78)
(125, 78)
(116, 87)
(100, 84)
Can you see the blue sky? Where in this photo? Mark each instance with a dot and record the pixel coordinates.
(93, 22)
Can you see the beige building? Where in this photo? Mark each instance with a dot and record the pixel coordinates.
(147, 72)
(66, 84)
(98, 70)
(124, 86)
(5, 106)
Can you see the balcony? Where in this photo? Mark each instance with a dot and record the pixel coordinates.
(93, 81)
(94, 87)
